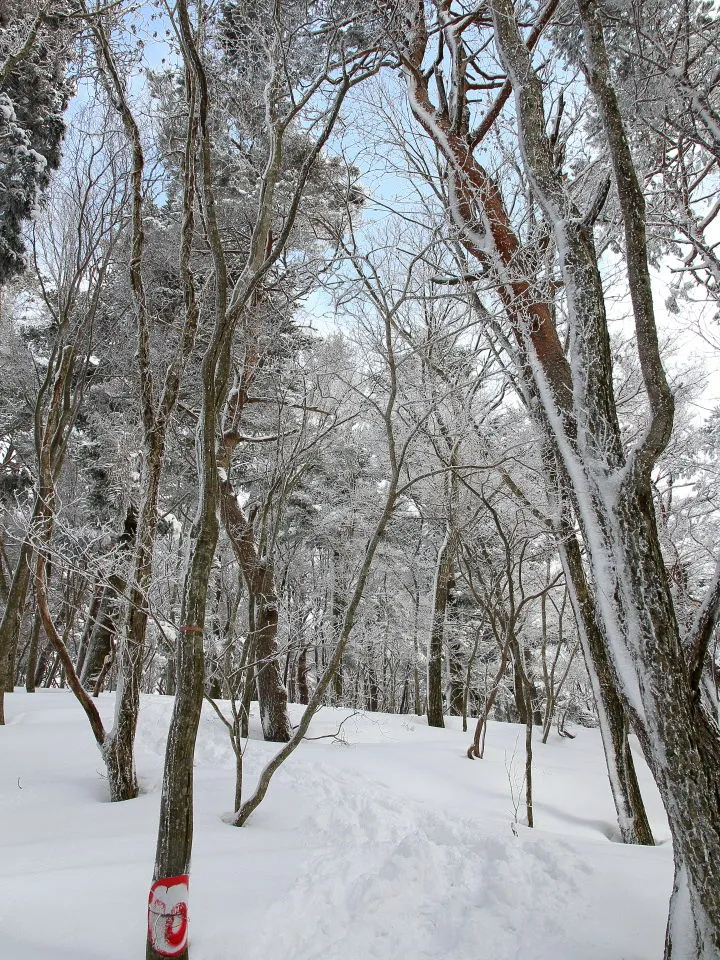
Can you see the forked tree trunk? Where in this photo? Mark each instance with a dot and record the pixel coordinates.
(476, 747)
(156, 415)
(530, 321)
(174, 845)
(104, 631)
(259, 577)
(613, 499)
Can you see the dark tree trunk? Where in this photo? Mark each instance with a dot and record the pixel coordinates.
(302, 676)
(528, 757)
(436, 647)
(456, 654)
(103, 637)
(12, 618)
(175, 831)
(338, 607)
(43, 663)
(259, 577)
(518, 681)
(93, 613)
(372, 694)
(32, 660)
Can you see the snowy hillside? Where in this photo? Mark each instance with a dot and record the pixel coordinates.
(390, 846)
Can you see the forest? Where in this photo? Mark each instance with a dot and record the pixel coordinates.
(360, 358)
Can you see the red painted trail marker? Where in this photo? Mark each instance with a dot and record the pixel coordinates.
(167, 915)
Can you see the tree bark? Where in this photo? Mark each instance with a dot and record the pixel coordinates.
(32, 660)
(12, 617)
(302, 676)
(680, 743)
(546, 371)
(104, 631)
(259, 576)
(456, 657)
(436, 645)
(629, 807)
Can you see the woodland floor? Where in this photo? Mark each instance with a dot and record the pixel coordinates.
(390, 846)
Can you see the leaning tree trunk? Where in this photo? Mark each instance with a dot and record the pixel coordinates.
(632, 817)
(530, 321)
(613, 499)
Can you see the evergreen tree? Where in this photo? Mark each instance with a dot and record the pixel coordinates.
(34, 92)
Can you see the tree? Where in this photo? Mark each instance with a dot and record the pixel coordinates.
(269, 39)
(654, 669)
(76, 254)
(35, 46)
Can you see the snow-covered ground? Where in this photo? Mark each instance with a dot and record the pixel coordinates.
(391, 846)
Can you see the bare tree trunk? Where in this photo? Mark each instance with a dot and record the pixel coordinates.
(680, 743)
(93, 612)
(119, 750)
(456, 664)
(52, 428)
(32, 660)
(12, 617)
(529, 690)
(476, 747)
(436, 646)
(632, 818)
(156, 416)
(259, 576)
(302, 677)
(337, 617)
(104, 631)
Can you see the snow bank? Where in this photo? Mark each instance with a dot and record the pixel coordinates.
(391, 846)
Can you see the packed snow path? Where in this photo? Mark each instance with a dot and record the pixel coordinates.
(390, 846)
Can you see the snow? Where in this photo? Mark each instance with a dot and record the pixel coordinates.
(390, 846)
